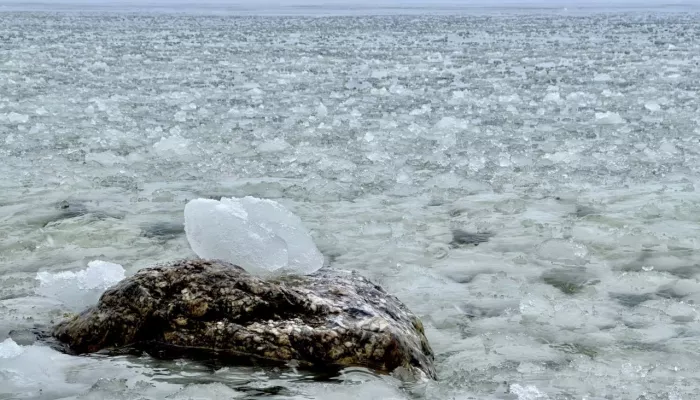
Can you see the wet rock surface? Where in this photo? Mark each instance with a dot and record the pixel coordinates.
(213, 309)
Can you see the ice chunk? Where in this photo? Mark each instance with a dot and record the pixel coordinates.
(425, 109)
(254, 92)
(100, 66)
(528, 392)
(272, 146)
(173, 145)
(578, 96)
(380, 74)
(602, 78)
(17, 118)
(180, 116)
(36, 372)
(399, 89)
(10, 349)
(206, 391)
(445, 131)
(536, 308)
(259, 235)
(668, 147)
(563, 251)
(82, 288)
(357, 386)
(403, 177)
(552, 97)
(321, 110)
(652, 106)
(511, 98)
(448, 180)
(609, 118)
(106, 158)
(450, 123)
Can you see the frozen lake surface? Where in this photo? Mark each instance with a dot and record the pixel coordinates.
(526, 184)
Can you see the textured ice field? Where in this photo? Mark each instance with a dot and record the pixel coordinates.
(526, 184)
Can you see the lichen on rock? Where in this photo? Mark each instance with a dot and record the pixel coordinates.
(330, 319)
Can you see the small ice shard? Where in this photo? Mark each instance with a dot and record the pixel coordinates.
(563, 251)
(668, 147)
(321, 110)
(254, 92)
(273, 145)
(652, 106)
(82, 288)
(602, 78)
(260, 235)
(552, 97)
(106, 158)
(180, 116)
(448, 180)
(172, 146)
(609, 118)
(208, 391)
(450, 123)
(16, 118)
(528, 392)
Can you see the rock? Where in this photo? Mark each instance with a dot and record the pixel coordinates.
(216, 310)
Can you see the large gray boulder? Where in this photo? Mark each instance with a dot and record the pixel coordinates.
(331, 319)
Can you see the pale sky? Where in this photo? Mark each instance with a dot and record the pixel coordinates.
(466, 3)
(345, 4)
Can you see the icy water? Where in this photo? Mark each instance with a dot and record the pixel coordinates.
(525, 183)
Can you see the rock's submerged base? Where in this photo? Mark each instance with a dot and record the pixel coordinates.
(331, 319)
